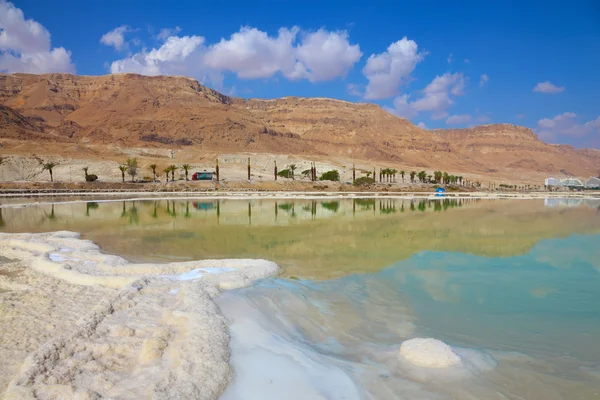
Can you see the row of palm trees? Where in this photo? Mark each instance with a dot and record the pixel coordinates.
(385, 174)
(389, 175)
(131, 167)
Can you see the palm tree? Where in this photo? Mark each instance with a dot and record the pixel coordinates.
(49, 166)
(446, 177)
(85, 171)
(394, 171)
(460, 179)
(402, 173)
(422, 176)
(186, 168)
(412, 176)
(292, 168)
(123, 168)
(153, 168)
(132, 166)
(173, 168)
(438, 176)
(166, 171)
(429, 178)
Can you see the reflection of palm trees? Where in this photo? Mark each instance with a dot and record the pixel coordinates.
(331, 205)
(218, 211)
(124, 212)
(91, 205)
(1, 219)
(154, 213)
(187, 210)
(133, 215)
(249, 214)
(171, 209)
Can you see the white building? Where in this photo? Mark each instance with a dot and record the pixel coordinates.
(592, 183)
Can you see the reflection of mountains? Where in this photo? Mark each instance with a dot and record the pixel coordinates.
(310, 238)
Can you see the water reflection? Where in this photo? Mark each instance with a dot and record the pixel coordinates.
(308, 237)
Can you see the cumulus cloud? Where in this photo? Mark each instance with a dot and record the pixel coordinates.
(422, 125)
(548, 88)
(252, 54)
(483, 80)
(458, 119)
(327, 55)
(25, 45)
(437, 97)
(166, 33)
(566, 125)
(116, 37)
(177, 56)
(388, 70)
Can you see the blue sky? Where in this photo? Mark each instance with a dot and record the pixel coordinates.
(441, 64)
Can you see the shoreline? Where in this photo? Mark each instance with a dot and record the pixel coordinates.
(150, 196)
(147, 330)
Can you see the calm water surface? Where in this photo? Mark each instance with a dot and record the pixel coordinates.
(512, 285)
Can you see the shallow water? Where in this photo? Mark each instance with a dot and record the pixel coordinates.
(512, 285)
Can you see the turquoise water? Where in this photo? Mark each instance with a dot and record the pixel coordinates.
(529, 327)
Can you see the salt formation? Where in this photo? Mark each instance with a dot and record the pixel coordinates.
(153, 330)
(429, 353)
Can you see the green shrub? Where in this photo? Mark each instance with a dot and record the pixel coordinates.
(285, 173)
(332, 175)
(91, 177)
(364, 181)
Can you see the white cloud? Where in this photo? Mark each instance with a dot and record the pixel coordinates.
(458, 119)
(25, 45)
(116, 37)
(439, 93)
(354, 89)
(566, 124)
(388, 70)
(251, 54)
(422, 125)
(548, 88)
(327, 55)
(483, 80)
(450, 58)
(402, 107)
(437, 97)
(166, 33)
(177, 56)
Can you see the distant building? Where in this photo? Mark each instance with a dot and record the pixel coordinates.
(567, 182)
(592, 183)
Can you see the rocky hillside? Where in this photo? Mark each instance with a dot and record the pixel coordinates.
(177, 112)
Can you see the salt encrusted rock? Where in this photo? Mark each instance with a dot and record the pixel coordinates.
(429, 353)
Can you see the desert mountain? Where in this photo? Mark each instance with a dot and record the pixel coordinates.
(140, 111)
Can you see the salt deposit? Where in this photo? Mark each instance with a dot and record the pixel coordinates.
(143, 330)
(430, 353)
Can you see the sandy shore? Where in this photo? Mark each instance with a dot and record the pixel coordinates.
(77, 323)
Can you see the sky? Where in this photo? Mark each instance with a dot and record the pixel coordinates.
(441, 64)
